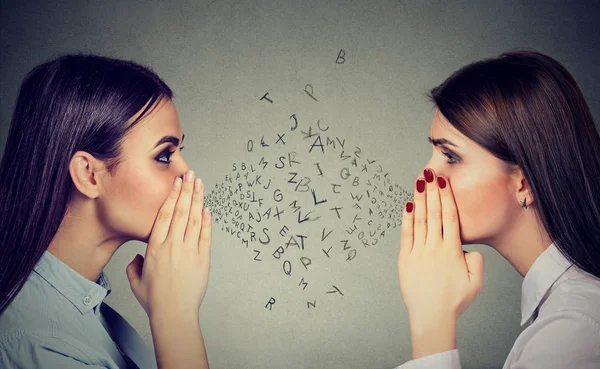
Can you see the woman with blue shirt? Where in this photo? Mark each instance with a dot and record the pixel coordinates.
(516, 166)
(92, 160)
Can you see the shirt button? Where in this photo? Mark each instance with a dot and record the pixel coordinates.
(87, 300)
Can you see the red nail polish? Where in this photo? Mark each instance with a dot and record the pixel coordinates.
(441, 182)
(420, 185)
(409, 207)
(428, 175)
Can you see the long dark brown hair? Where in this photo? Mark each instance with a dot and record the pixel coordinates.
(525, 108)
(72, 103)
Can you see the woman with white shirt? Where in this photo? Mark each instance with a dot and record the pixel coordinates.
(516, 166)
(92, 160)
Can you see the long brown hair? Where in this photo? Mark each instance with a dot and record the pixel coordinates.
(525, 108)
(72, 103)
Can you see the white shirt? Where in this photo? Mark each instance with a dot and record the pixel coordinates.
(562, 304)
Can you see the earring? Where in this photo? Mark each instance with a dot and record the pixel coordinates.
(524, 203)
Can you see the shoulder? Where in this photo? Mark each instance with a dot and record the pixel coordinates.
(32, 331)
(566, 332)
(45, 349)
(575, 292)
(562, 339)
(30, 339)
(30, 310)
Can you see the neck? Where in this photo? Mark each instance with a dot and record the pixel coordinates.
(524, 242)
(82, 242)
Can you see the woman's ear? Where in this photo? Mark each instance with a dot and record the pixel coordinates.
(84, 170)
(523, 193)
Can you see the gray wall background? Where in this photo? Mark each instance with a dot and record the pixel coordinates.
(220, 58)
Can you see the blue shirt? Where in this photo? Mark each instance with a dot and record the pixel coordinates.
(58, 320)
(562, 304)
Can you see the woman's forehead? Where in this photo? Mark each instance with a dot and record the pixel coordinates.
(440, 127)
(162, 121)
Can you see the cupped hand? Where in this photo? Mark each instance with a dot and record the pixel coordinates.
(438, 280)
(173, 276)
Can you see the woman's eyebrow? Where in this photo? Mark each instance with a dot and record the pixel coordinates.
(172, 139)
(441, 141)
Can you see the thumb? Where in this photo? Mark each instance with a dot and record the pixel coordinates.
(475, 266)
(134, 270)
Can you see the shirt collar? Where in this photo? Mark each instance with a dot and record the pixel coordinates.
(80, 291)
(546, 269)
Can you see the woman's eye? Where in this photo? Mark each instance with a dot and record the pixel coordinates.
(452, 159)
(165, 154)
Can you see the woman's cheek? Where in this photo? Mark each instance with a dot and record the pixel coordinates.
(464, 209)
(480, 208)
(468, 203)
(155, 197)
(145, 200)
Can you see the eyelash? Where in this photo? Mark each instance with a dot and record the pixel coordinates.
(452, 159)
(166, 153)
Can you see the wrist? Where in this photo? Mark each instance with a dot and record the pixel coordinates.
(177, 339)
(431, 336)
(173, 316)
(170, 327)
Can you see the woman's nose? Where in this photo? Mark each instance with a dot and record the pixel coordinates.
(433, 164)
(183, 168)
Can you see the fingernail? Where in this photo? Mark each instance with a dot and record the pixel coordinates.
(420, 185)
(428, 175)
(441, 182)
(177, 183)
(409, 207)
(189, 175)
